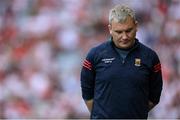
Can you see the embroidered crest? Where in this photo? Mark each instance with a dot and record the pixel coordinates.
(137, 62)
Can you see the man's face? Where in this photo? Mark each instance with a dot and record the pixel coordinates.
(123, 33)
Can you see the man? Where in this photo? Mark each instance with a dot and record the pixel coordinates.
(121, 78)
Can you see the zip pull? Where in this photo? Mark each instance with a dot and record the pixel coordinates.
(123, 61)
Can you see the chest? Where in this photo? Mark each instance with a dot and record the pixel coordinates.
(131, 72)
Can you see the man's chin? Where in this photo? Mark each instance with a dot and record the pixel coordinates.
(124, 46)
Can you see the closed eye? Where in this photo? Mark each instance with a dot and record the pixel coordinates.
(129, 30)
(119, 32)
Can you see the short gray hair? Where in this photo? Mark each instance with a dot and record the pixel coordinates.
(120, 13)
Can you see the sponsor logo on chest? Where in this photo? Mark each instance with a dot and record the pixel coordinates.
(108, 60)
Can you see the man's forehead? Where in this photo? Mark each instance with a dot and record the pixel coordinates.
(125, 25)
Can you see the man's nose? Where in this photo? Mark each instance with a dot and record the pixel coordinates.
(124, 35)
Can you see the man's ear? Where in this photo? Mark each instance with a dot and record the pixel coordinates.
(110, 29)
(136, 23)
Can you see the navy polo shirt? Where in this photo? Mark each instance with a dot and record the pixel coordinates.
(121, 88)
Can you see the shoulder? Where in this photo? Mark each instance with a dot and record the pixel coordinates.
(95, 51)
(149, 52)
(102, 46)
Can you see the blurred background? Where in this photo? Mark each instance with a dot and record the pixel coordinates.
(43, 44)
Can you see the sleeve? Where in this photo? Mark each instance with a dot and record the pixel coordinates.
(155, 86)
(88, 76)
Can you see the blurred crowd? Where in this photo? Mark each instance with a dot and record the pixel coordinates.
(43, 44)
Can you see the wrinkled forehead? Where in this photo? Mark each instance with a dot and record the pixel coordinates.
(128, 25)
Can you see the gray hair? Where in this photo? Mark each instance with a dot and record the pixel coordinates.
(120, 13)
